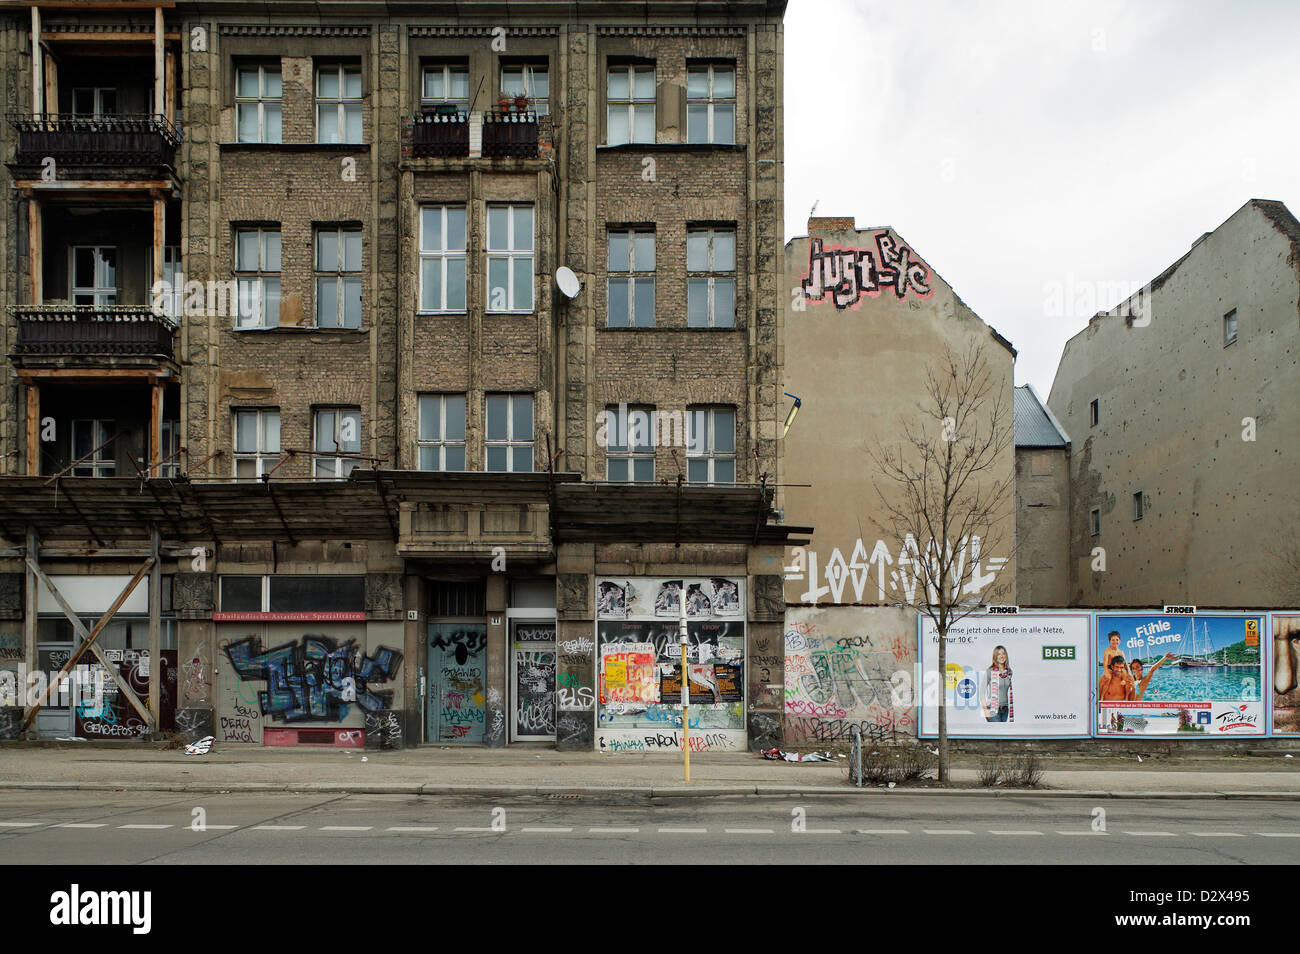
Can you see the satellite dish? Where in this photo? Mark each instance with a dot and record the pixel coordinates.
(568, 281)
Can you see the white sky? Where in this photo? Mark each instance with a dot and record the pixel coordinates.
(1029, 146)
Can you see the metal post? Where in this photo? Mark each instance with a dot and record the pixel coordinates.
(155, 649)
(686, 683)
(857, 752)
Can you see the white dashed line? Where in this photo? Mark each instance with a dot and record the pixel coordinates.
(946, 831)
(412, 828)
(278, 827)
(615, 831)
(882, 831)
(683, 831)
(216, 828)
(1081, 833)
(21, 824)
(545, 831)
(81, 825)
(748, 831)
(471, 829)
(1151, 834)
(992, 832)
(146, 827)
(1278, 834)
(1215, 834)
(346, 827)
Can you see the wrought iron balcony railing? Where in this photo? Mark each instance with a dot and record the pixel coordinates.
(96, 140)
(441, 133)
(511, 133)
(86, 330)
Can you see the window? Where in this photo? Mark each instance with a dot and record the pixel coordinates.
(283, 593)
(1138, 505)
(631, 278)
(630, 97)
(711, 445)
(338, 103)
(630, 443)
(1230, 327)
(1094, 521)
(442, 258)
(711, 285)
(94, 101)
(257, 270)
(90, 439)
(169, 445)
(446, 84)
(510, 433)
(257, 442)
(257, 104)
(441, 441)
(173, 302)
(510, 258)
(1093, 412)
(711, 104)
(338, 431)
(94, 275)
(338, 278)
(527, 79)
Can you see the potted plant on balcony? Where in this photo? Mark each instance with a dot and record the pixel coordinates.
(521, 103)
(504, 103)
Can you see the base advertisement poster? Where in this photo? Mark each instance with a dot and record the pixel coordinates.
(1188, 677)
(1023, 676)
(1286, 674)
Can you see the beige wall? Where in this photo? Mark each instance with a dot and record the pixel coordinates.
(1172, 407)
(859, 370)
(1042, 526)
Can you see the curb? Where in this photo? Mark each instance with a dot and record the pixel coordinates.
(678, 791)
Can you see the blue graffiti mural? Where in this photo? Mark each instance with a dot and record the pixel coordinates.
(316, 678)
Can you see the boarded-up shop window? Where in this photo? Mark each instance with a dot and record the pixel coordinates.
(300, 594)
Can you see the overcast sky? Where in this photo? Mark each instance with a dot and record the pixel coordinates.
(1029, 146)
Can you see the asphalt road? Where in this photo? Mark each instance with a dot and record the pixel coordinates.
(161, 828)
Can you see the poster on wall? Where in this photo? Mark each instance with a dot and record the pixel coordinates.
(1023, 676)
(1184, 676)
(1286, 674)
(706, 598)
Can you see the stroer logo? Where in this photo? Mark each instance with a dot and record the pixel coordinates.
(77, 907)
(1237, 718)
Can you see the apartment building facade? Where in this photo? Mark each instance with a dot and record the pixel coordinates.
(422, 332)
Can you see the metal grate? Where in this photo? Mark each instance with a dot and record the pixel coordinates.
(453, 599)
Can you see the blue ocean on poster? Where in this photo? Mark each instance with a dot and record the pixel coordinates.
(1212, 659)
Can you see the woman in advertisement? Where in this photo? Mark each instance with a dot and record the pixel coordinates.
(997, 699)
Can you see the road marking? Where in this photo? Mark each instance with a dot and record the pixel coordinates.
(820, 831)
(81, 825)
(946, 831)
(278, 827)
(683, 831)
(882, 831)
(472, 829)
(20, 824)
(1278, 834)
(543, 830)
(992, 832)
(1151, 834)
(148, 827)
(1215, 834)
(412, 828)
(1081, 833)
(346, 827)
(216, 828)
(748, 831)
(620, 831)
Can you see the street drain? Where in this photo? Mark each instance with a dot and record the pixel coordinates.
(566, 797)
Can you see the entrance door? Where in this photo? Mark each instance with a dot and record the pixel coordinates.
(457, 682)
(532, 681)
(52, 721)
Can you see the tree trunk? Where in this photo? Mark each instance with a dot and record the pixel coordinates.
(943, 707)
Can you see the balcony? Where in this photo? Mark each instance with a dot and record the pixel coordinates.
(127, 140)
(78, 331)
(510, 134)
(442, 134)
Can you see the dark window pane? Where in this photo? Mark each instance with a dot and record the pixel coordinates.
(241, 594)
(297, 594)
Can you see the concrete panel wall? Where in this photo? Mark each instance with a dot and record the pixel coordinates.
(1042, 526)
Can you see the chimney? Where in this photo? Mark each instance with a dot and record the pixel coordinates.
(831, 223)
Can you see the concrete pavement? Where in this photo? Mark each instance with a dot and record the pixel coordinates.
(434, 770)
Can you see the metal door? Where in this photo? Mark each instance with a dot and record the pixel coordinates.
(457, 686)
(532, 681)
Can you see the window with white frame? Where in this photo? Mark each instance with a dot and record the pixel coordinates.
(631, 278)
(527, 79)
(711, 445)
(711, 278)
(1230, 327)
(257, 441)
(172, 303)
(169, 445)
(630, 443)
(91, 440)
(338, 103)
(442, 258)
(94, 275)
(338, 277)
(510, 258)
(441, 441)
(257, 274)
(630, 100)
(337, 431)
(711, 104)
(510, 433)
(446, 84)
(94, 101)
(258, 104)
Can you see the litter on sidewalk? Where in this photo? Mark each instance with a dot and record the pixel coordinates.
(776, 755)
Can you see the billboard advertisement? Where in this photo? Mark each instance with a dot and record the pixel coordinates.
(1286, 674)
(1022, 676)
(1198, 676)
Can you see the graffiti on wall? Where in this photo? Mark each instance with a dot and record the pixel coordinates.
(457, 671)
(846, 274)
(836, 683)
(315, 678)
(114, 717)
(196, 677)
(861, 570)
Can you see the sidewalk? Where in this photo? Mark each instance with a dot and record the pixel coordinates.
(535, 771)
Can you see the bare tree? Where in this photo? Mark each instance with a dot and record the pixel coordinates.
(947, 493)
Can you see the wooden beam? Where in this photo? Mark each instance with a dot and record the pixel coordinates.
(33, 429)
(159, 74)
(38, 81)
(90, 637)
(40, 374)
(72, 36)
(30, 610)
(155, 426)
(35, 251)
(94, 185)
(51, 81)
(155, 613)
(123, 686)
(159, 239)
(171, 86)
(99, 5)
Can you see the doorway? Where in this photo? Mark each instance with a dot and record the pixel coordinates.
(533, 663)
